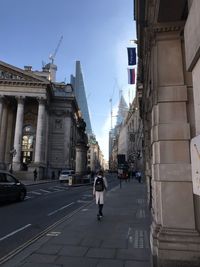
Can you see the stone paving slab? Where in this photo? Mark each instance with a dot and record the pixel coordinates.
(131, 254)
(74, 251)
(41, 258)
(137, 264)
(28, 264)
(76, 262)
(110, 263)
(101, 253)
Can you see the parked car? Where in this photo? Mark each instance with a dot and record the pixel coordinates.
(11, 189)
(65, 175)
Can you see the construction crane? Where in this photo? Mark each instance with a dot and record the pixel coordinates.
(52, 56)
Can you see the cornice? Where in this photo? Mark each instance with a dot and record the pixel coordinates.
(22, 83)
(168, 27)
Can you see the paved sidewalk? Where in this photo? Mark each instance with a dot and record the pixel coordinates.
(120, 239)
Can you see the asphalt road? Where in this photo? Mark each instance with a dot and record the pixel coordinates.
(44, 205)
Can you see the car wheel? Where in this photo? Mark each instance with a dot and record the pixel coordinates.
(22, 196)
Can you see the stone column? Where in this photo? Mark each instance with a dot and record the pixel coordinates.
(1, 108)
(40, 131)
(3, 133)
(18, 134)
(10, 132)
(81, 155)
(67, 140)
(173, 233)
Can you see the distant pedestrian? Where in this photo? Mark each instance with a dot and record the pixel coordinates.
(53, 175)
(99, 188)
(35, 175)
(138, 176)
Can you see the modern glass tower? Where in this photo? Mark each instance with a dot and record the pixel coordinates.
(79, 90)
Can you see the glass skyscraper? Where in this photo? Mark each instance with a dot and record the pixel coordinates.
(79, 90)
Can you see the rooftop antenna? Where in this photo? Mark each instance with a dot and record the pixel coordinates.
(52, 56)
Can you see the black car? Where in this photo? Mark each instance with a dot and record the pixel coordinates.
(10, 188)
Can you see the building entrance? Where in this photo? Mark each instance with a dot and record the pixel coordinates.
(28, 141)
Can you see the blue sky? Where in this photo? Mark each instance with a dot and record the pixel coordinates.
(95, 32)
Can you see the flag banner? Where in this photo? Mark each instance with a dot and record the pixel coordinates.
(131, 76)
(131, 55)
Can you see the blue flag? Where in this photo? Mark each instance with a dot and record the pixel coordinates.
(131, 56)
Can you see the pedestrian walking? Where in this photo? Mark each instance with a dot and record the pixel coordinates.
(99, 188)
(35, 175)
(138, 176)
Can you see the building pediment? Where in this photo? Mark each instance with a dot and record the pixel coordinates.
(11, 74)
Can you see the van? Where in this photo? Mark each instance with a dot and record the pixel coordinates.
(66, 175)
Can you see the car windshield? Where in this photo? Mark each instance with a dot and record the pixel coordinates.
(65, 173)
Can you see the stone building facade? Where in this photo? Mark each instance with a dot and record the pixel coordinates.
(134, 138)
(39, 124)
(95, 156)
(168, 40)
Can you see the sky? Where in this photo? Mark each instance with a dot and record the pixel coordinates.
(95, 32)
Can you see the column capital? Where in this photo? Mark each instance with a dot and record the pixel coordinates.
(20, 99)
(41, 100)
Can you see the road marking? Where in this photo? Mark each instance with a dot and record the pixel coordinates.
(55, 189)
(45, 191)
(27, 197)
(61, 187)
(14, 232)
(36, 193)
(53, 234)
(62, 208)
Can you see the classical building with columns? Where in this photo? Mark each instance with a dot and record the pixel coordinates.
(40, 123)
(168, 39)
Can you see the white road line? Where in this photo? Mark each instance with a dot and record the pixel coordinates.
(14, 232)
(27, 197)
(45, 191)
(55, 189)
(36, 193)
(60, 187)
(62, 208)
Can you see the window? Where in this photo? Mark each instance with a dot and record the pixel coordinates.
(10, 179)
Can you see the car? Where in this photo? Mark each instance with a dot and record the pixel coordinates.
(11, 189)
(65, 175)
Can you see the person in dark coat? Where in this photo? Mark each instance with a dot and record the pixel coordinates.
(99, 195)
(35, 175)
